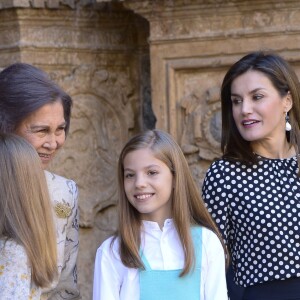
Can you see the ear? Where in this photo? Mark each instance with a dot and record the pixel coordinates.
(288, 102)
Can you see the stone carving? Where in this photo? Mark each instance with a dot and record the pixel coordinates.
(93, 49)
(202, 123)
(102, 115)
(208, 19)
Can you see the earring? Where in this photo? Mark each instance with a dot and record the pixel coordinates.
(288, 126)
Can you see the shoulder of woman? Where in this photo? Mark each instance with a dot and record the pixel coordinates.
(223, 165)
(57, 179)
(63, 193)
(11, 250)
(59, 183)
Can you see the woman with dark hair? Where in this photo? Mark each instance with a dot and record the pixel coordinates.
(253, 191)
(35, 108)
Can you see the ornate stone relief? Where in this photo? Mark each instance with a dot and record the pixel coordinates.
(101, 117)
(194, 111)
(209, 19)
(202, 123)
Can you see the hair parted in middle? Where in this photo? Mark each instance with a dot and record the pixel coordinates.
(25, 207)
(188, 208)
(284, 80)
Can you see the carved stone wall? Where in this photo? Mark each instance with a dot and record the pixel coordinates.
(100, 56)
(106, 52)
(192, 44)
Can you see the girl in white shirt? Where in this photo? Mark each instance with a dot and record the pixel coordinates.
(167, 246)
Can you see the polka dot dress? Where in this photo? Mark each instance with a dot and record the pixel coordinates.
(257, 209)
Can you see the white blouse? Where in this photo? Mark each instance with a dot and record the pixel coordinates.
(114, 281)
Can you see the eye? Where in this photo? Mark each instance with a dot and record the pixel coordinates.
(41, 131)
(257, 96)
(128, 175)
(60, 130)
(236, 100)
(152, 172)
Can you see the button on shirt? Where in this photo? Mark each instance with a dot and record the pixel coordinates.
(163, 250)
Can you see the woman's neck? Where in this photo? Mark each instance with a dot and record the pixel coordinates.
(274, 149)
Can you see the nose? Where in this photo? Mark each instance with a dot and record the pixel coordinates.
(246, 107)
(140, 181)
(51, 142)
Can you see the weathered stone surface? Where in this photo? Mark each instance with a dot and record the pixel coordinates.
(192, 44)
(97, 58)
(101, 119)
(106, 54)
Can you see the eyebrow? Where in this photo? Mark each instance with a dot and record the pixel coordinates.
(147, 167)
(38, 126)
(46, 126)
(251, 92)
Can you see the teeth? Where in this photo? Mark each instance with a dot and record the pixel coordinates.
(249, 123)
(143, 196)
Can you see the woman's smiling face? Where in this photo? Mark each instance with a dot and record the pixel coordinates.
(45, 130)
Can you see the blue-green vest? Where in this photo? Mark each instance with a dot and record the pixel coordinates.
(166, 284)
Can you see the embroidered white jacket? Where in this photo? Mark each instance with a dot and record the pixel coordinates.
(64, 196)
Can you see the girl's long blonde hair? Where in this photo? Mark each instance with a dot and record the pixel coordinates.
(25, 208)
(187, 206)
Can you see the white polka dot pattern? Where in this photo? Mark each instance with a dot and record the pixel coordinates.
(257, 209)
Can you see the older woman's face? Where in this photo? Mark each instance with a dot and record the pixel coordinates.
(45, 130)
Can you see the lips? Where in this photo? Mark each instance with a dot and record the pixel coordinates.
(45, 157)
(248, 123)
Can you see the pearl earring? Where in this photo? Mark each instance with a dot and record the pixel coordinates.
(288, 126)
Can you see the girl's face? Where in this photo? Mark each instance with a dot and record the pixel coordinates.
(148, 184)
(258, 109)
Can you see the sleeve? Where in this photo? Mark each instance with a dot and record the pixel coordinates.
(107, 279)
(214, 279)
(15, 274)
(67, 287)
(215, 196)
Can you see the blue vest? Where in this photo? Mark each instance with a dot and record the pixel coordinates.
(166, 284)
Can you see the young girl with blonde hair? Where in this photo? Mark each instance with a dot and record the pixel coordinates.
(27, 238)
(167, 246)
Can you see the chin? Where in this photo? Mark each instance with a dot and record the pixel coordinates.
(251, 138)
(44, 165)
